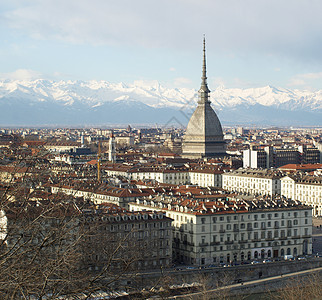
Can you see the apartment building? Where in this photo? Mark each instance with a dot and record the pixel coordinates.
(267, 157)
(120, 239)
(111, 194)
(206, 177)
(162, 174)
(202, 176)
(304, 188)
(255, 159)
(234, 230)
(62, 146)
(101, 238)
(251, 181)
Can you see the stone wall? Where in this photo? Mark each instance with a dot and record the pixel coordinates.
(211, 277)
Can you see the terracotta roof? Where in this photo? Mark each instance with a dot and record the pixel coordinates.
(301, 167)
(225, 205)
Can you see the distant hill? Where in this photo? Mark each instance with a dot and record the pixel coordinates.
(44, 102)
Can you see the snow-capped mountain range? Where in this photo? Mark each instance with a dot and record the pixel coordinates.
(45, 102)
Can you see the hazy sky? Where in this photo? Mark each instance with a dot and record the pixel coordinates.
(250, 43)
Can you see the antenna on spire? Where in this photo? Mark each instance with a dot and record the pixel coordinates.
(204, 90)
(204, 76)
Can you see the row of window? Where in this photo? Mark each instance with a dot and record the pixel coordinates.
(137, 226)
(255, 235)
(255, 225)
(248, 246)
(256, 217)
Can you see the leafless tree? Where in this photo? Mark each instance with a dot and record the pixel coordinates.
(302, 288)
(47, 246)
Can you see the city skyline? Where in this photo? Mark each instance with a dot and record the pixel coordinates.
(249, 43)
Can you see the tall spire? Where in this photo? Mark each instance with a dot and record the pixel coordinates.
(204, 90)
(204, 76)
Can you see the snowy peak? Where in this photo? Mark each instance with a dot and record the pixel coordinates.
(231, 104)
(153, 94)
(268, 96)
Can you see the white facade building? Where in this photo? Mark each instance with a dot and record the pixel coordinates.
(249, 181)
(162, 175)
(307, 189)
(206, 177)
(255, 159)
(110, 194)
(202, 176)
(227, 231)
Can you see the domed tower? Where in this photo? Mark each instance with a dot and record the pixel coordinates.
(204, 136)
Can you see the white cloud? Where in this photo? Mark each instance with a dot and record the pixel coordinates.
(22, 74)
(235, 27)
(306, 80)
(172, 69)
(317, 75)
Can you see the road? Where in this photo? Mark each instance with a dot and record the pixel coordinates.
(198, 295)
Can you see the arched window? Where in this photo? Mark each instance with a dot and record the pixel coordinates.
(295, 251)
(262, 253)
(288, 252)
(255, 254)
(269, 253)
(242, 256)
(282, 252)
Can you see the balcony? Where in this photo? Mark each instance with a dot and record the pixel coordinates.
(214, 243)
(229, 242)
(242, 242)
(269, 239)
(203, 244)
(296, 237)
(235, 230)
(222, 230)
(249, 228)
(191, 231)
(255, 240)
(306, 236)
(283, 238)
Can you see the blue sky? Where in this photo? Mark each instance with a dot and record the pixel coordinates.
(250, 43)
